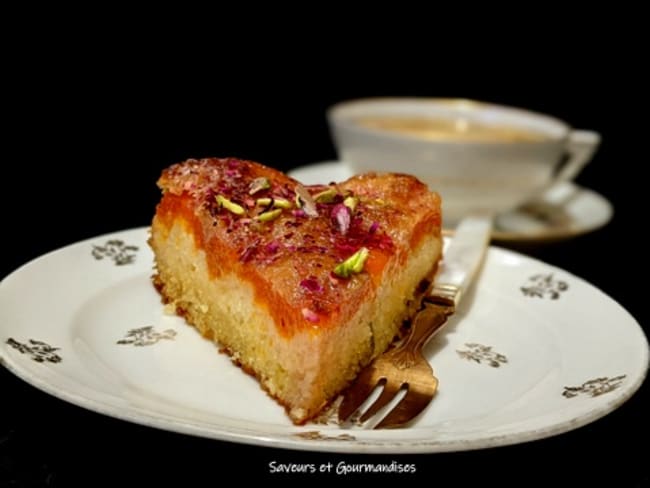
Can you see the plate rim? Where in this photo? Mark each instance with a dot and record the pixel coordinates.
(164, 421)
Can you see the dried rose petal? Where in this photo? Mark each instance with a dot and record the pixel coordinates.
(309, 315)
(373, 227)
(311, 284)
(344, 247)
(272, 247)
(341, 217)
(247, 254)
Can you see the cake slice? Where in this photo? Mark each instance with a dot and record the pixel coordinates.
(302, 286)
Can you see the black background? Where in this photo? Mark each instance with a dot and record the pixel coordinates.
(88, 132)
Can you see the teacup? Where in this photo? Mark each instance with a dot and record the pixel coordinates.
(480, 157)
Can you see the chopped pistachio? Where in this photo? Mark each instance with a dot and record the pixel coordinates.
(354, 264)
(281, 203)
(305, 201)
(270, 215)
(351, 202)
(326, 196)
(228, 205)
(259, 184)
(275, 202)
(263, 202)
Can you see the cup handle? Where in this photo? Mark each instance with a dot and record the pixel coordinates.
(581, 146)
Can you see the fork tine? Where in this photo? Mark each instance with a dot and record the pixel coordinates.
(357, 393)
(408, 408)
(387, 394)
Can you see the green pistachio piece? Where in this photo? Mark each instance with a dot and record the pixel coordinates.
(231, 206)
(259, 184)
(281, 203)
(354, 264)
(277, 202)
(351, 202)
(305, 201)
(263, 202)
(326, 196)
(270, 215)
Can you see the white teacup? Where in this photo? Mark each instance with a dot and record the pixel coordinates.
(480, 157)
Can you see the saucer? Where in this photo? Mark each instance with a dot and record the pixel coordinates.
(564, 211)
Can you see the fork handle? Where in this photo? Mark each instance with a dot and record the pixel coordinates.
(426, 323)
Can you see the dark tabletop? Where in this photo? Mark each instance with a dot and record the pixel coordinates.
(82, 157)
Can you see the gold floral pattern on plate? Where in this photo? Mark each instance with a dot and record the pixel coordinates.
(116, 250)
(544, 286)
(39, 351)
(146, 336)
(482, 354)
(316, 435)
(595, 387)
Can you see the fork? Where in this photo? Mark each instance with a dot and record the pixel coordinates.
(404, 367)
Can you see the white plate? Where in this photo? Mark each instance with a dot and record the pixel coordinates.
(567, 210)
(535, 351)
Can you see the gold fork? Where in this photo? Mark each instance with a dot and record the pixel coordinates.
(404, 367)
